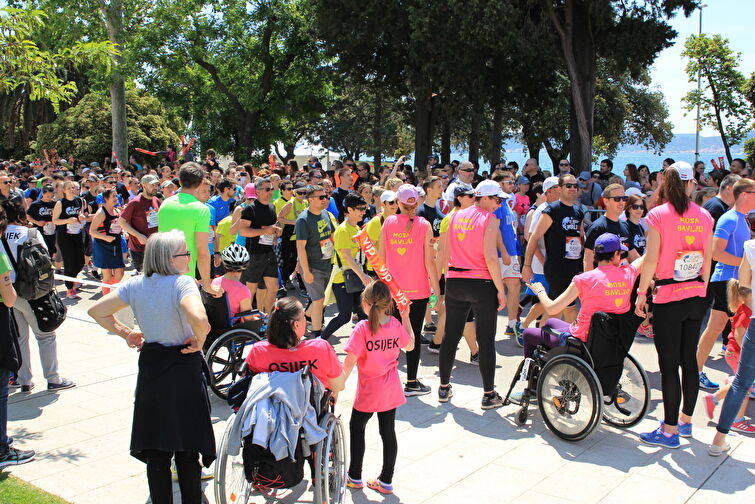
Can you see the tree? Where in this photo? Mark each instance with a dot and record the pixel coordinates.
(83, 131)
(112, 17)
(721, 99)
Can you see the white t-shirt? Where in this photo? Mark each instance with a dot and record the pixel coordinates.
(537, 266)
(15, 235)
(749, 249)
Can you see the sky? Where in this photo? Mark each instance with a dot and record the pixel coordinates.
(731, 19)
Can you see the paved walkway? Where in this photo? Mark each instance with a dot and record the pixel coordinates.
(447, 453)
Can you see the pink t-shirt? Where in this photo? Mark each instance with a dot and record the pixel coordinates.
(606, 289)
(405, 254)
(235, 290)
(522, 204)
(379, 386)
(265, 357)
(466, 233)
(683, 240)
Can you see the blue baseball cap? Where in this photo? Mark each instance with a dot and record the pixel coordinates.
(523, 180)
(609, 242)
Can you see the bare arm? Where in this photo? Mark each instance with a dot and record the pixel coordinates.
(203, 263)
(96, 223)
(56, 211)
(7, 290)
(745, 272)
(126, 226)
(443, 252)
(543, 223)
(284, 211)
(587, 260)
(652, 251)
(103, 312)
(721, 255)
(352, 264)
(559, 304)
(246, 230)
(491, 258)
(406, 323)
(235, 221)
(430, 261)
(301, 253)
(633, 255)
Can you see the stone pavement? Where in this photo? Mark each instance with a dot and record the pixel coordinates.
(447, 453)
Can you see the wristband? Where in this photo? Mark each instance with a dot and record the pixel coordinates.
(528, 265)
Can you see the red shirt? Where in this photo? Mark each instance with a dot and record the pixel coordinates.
(265, 357)
(740, 319)
(141, 214)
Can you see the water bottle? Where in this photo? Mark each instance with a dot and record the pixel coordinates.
(433, 301)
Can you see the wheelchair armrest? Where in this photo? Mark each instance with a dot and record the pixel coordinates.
(247, 313)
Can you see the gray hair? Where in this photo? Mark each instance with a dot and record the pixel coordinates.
(466, 164)
(159, 251)
(728, 181)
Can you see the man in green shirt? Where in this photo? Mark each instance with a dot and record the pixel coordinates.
(186, 212)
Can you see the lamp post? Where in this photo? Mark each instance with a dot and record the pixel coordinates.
(697, 125)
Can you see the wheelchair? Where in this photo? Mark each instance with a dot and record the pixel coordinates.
(228, 341)
(578, 384)
(236, 482)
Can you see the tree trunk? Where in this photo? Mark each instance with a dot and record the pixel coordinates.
(113, 15)
(719, 121)
(422, 128)
(474, 135)
(577, 44)
(377, 132)
(556, 153)
(495, 152)
(445, 140)
(533, 148)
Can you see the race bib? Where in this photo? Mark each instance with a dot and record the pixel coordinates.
(115, 228)
(688, 265)
(48, 228)
(152, 218)
(74, 228)
(573, 248)
(326, 248)
(267, 239)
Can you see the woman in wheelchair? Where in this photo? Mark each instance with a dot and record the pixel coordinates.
(286, 350)
(607, 288)
(235, 260)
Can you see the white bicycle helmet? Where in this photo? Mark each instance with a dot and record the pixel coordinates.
(235, 257)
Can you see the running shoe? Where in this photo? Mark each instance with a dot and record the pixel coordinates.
(206, 474)
(516, 397)
(519, 333)
(379, 486)
(706, 383)
(645, 330)
(433, 348)
(430, 327)
(13, 383)
(63, 385)
(684, 429)
(509, 331)
(474, 359)
(710, 405)
(492, 401)
(424, 341)
(744, 426)
(415, 388)
(659, 438)
(717, 451)
(444, 394)
(26, 389)
(71, 294)
(16, 457)
(354, 483)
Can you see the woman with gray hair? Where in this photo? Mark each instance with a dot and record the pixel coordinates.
(171, 408)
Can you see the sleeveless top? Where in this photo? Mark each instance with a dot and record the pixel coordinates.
(109, 227)
(405, 254)
(466, 232)
(68, 209)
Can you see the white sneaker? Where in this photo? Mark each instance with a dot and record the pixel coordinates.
(717, 451)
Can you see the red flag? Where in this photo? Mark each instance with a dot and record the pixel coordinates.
(271, 161)
(117, 161)
(721, 162)
(144, 151)
(715, 165)
(371, 253)
(186, 147)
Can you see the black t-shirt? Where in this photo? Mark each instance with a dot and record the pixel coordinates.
(716, 208)
(562, 260)
(636, 237)
(121, 189)
(41, 211)
(70, 208)
(431, 215)
(260, 215)
(605, 225)
(537, 177)
(338, 196)
(91, 200)
(604, 178)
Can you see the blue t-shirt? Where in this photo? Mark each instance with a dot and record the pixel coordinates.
(732, 226)
(507, 219)
(332, 208)
(222, 208)
(101, 201)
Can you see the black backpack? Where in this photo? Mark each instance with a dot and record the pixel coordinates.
(33, 266)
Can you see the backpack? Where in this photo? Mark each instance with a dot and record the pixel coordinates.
(33, 266)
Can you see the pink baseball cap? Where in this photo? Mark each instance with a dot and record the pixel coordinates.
(406, 192)
(249, 192)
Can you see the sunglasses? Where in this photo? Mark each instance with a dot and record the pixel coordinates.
(467, 170)
(350, 165)
(185, 254)
(361, 208)
(316, 176)
(570, 186)
(444, 176)
(563, 164)
(497, 199)
(320, 197)
(618, 199)
(301, 192)
(508, 182)
(266, 189)
(287, 188)
(7, 182)
(390, 202)
(638, 207)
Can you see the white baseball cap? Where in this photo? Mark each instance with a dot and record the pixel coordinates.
(388, 196)
(550, 183)
(633, 191)
(685, 170)
(488, 188)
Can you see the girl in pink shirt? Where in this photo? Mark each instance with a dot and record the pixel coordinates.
(374, 347)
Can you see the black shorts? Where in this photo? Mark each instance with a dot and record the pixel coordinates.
(557, 285)
(717, 293)
(261, 265)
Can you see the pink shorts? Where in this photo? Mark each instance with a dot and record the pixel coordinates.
(732, 359)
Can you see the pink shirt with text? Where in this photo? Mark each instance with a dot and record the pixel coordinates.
(405, 254)
(379, 387)
(265, 357)
(683, 241)
(606, 289)
(466, 233)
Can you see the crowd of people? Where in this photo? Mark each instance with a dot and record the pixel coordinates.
(462, 245)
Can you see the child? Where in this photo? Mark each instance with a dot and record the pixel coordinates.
(739, 298)
(374, 347)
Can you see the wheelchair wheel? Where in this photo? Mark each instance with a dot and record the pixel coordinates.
(231, 486)
(569, 397)
(225, 357)
(330, 463)
(632, 396)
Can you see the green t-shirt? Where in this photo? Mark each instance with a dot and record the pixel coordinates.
(186, 213)
(4, 266)
(343, 239)
(373, 229)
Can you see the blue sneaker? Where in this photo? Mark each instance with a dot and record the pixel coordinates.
(684, 429)
(706, 383)
(519, 333)
(658, 437)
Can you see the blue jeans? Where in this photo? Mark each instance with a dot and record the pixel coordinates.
(741, 384)
(4, 376)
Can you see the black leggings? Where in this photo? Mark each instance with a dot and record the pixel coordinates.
(288, 259)
(386, 422)
(72, 249)
(677, 329)
(347, 304)
(416, 318)
(159, 478)
(479, 296)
